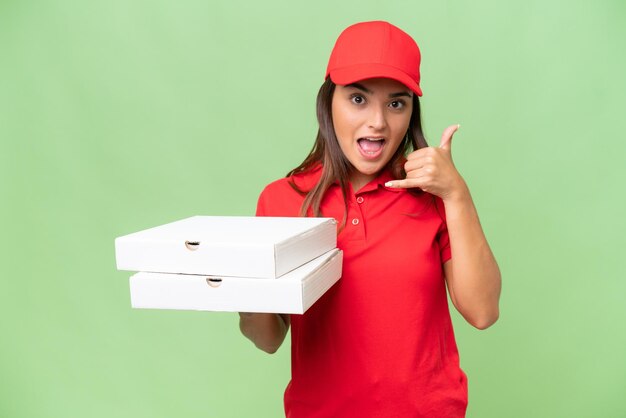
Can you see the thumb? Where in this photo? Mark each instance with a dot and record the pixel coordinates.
(446, 137)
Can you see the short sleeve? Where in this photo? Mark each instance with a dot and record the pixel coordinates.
(279, 199)
(261, 205)
(443, 239)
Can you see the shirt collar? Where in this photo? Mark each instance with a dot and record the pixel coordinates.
(379, 183)
(309, 179)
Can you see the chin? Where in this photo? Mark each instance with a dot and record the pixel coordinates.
(369, 171)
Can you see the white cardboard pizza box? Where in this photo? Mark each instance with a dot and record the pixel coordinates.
(237, 246)
(293, 292)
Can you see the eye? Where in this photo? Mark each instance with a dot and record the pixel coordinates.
(357, 99)
(397, 104)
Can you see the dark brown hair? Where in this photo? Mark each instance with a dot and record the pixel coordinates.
(336, 167)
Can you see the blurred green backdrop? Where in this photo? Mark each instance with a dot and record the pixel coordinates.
(116, 116)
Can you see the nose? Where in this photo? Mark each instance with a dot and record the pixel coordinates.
(377, 118)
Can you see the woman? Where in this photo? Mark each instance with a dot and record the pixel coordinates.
(380, 342)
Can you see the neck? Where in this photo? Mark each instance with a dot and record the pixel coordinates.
(358, 180)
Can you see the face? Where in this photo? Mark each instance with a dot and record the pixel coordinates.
(370, 118)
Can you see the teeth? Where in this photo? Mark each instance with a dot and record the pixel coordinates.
(374, 139)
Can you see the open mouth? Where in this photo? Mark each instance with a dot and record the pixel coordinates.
(371, 147)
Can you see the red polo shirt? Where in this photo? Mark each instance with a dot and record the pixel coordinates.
(380, 342)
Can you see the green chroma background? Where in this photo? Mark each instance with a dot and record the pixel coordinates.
(116, 116)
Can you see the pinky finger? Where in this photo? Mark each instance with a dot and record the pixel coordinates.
(403, 184)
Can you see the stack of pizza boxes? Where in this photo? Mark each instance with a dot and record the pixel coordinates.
(232, 263)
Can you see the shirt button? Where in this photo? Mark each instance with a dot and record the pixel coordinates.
(359, 199)
(355, 221)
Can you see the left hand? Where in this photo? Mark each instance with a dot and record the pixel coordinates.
(432, 170)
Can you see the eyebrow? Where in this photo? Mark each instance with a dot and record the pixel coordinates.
(366, 90)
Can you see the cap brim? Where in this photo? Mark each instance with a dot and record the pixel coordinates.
(353, 74)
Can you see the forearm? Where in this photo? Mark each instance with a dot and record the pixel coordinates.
(266, 330)
(474, 278)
